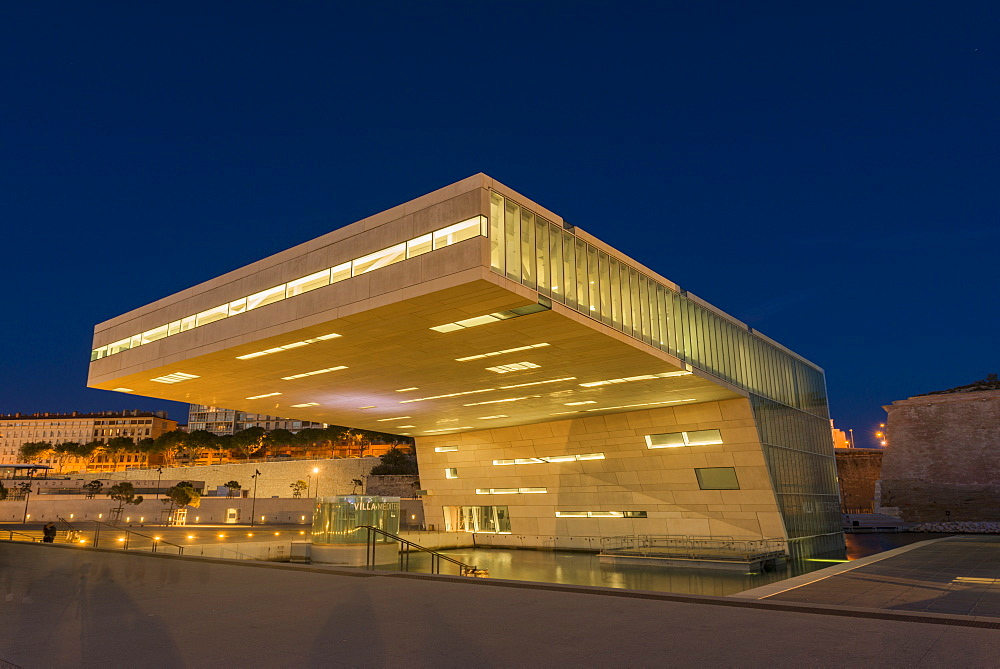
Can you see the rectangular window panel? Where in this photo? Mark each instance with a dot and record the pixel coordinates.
(496, 233)
(451, 473)
(237, 306)
(512, 240)
(555, 263)
(459, 232)
(420, 245)
(307, 283)
(616, 298)
(569, 268)
(119, 346)
(594, 283)
(542, 255)
(527, 248)
(266, 297)
(173, 328)
(603, 263)
(154, 334)
(678, 439)
(379, 259)
(582, 289)
(212, 315)
(188, 323)
(703, 437)
(340, 272)
(717, 478)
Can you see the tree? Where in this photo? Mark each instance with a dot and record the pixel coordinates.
(181, 495)
(171, 443)
(357, 439)
(310, 436)
(117, 447)
(145, 447)
(357, 483)
(249, 441)
(64, 451)
(93, 488)
(234, 488)
(395, 462)
(88, 451)
(123, 493)
(201, 440)
(298, 487)
(279, 437)
(33, 450)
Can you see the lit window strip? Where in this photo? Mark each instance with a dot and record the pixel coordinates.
(511, 491)
(476, 226)
(549, 459)
(445, 449)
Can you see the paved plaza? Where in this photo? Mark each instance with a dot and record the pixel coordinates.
(72, 607)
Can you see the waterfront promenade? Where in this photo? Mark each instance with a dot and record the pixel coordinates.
(72, 607)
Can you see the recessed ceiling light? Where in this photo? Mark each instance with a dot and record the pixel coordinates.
(123, 390)
(285, 347)
(406, 390)
(382, 420)
(499, 415)
(448, 429)
(307, 404)
(573, 404)
(257, 397)
(370, 406)
(438, 397)
(314, 373)
(509, 399)
(643, 377)
(506, 350)
(176, 377)
(538, 383)
(645, 404)
(513, 367)
(406, 426)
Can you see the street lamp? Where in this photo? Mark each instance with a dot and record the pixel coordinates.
(316, 472)
(253, 505)
(159, 474)
(851, 430)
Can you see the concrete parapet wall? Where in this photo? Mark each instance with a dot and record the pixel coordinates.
(334, 477)
(212, 510)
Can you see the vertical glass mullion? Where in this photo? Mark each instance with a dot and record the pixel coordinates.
(512, 240)
(603, 264)
(616, 300)
(542, 255)
(556, 284)
(497, 258)
(527, 248)
(594, 283)
(569, 268)
(582, 277)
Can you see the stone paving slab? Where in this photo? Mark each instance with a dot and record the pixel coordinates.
(77, 607)
(956, 575)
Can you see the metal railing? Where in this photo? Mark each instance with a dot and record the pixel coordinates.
(694, 547)
(29, 537)
(406, 547)
(125, 542)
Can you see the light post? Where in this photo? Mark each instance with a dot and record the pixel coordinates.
(26, 487)
(253, 504)
(851, 430)
(880, 435)
(159, 474)
(316, 474)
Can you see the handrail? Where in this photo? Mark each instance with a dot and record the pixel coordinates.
(155, 541)
(11, 533)
(436, 556)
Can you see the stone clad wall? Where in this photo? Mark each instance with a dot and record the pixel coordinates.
(943, 458)
(334, 475)
(857, 471)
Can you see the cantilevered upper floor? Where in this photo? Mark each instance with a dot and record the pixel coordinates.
(467, 308)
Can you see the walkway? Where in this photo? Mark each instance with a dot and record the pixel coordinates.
(78, 607)
(955, 575)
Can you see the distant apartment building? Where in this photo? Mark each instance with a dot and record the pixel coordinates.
(229, 421)
(57, 428)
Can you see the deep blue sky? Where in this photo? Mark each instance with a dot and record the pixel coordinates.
(825, 171)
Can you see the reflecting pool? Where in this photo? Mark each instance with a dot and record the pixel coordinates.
(573, 568)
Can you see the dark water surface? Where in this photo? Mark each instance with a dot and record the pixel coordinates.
(572, 568)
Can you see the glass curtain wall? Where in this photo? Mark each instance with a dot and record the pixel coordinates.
(537, 253)
(799, 454)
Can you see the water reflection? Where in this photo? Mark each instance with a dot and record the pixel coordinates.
(571, 568)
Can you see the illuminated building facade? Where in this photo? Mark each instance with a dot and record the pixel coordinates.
(559, 392)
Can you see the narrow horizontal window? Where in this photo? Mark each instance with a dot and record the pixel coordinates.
(307, 283)
(379, 259)
(212, 315)
(458, 232)
(601, 514)
(340, 272)
(451, 473)
(419, 246)
(154, 334)
(717, 478)
(550, 459)
(680, 439)
(266, 297)
(445, 449)
(238, 306)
